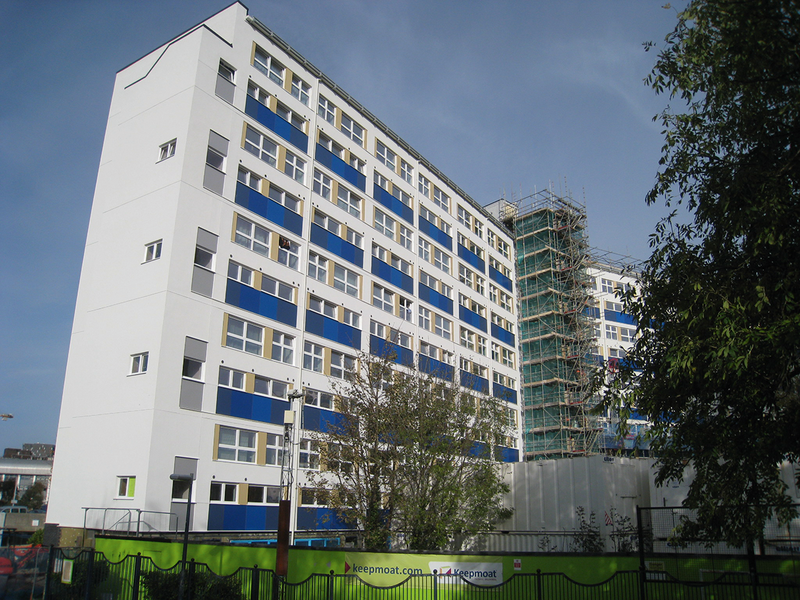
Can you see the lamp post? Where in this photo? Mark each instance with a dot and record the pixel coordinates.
(287, 481)
(190, 478)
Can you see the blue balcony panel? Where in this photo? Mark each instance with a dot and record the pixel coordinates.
(474, 382)
(319, 419)
(314, 518)
(384, 348)
(619, 317)
(333, 330)
(392, 275)
(350, 174)
(434, 367)
(239, 517)
(503, 335)
(250, 299)
(236, 403)
(470, 257)
(501, 279)
(592, 311)
(436, 234)
(393, 204)
(279, 125)
(508, 454)
(504, 393)
(268, 208)
(333, 243)
(434, 298)
(471, 318)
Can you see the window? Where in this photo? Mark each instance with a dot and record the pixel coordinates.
(427, 349)
(471, 305)
(322, 184)
(504, 249)
(232, 379)
(239, 273)
(167, 150)
(424, 250)
(470, 245)
(347, 200)
(424, 318)
(300, 89)
(242, 335)
(274, 449)
(497, 266)
(606, 285)
(283, 347)
(377, 329)
(406, 171)
(507, 357)
(443, 327)
(400, 338)
(257, 92)
(313, 357)
(424, 186)
(468, 339)
(384, 223)
(611, 332)
(318, 398)
(354, 238)
(152, 251)
(192, 368)
(317, 267)
(615, 306)
(139, 363)
(380, 253)
(269, 66)
(352, 130)
(288, 253)
(261, 494)
(335, 149)
(326, 110)
(204, 258)
(322, 307)
(471, 279)
(357, 163)
(278, 195)
(351, 318)
(404, 198)
(309, 454)
(268, 387)
(626, 335)
(249, 178)
(406, 237)
(386, 156)
(261, 146)
(341, 364)
(441, 260)
(126, 487)
(237, 445)
(295, 167)
(505, 301)
(311, 497)
(324, 221)
(404, 307)
(223, 492)
(345, 280)
(251, 236)
(273, 287)
(381, 181)
(382, 298)
(401, 265)
(290, 116)
(214, 159)
(441, 199)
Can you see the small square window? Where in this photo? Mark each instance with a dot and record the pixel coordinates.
(192, 369)
(167, 150)
(152, 251)
(139, 363)
(126, 487)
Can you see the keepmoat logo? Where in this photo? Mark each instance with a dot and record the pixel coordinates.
(381, 570)
(479, 573)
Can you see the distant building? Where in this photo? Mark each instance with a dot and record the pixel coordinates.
(35, 451)
(24, 473)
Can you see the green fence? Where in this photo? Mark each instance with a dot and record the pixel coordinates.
(88, 575)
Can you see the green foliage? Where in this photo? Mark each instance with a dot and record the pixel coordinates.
(162, 585)
(718, 369)
(37, 538)
(587, 538)
(7, 488)
(34, 496)
(413, 455)
(624, 536)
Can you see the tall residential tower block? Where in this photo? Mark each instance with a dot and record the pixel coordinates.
(254, 229)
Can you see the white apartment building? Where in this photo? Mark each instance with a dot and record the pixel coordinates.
(253, 228)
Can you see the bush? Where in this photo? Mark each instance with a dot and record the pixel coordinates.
(162, 585)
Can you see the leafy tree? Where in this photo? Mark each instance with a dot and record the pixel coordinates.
(587, 537)
(7, 489)
(717, 365)
(34, 496)
(413, 454)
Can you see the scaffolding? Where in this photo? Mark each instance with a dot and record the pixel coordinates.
(555, 327)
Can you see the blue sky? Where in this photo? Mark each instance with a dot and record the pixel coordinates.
(504, 97)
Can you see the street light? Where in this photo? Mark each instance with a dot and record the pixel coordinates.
(287, 482)
(190, 478)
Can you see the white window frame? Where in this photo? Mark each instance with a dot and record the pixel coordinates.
(152, 251)
(283, 347)
(342, 280)
(242, 452)
(139, 363)
(300, 89)
(326, 109)
(252, 236)
(313, 357)
(385, 155)
(251, 336)
(260, 146)
(318, 267)
(270, 67)
(167, 149)
(352, 130)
